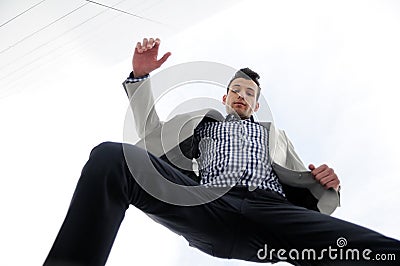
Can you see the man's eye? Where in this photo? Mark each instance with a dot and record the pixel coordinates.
(250, 94)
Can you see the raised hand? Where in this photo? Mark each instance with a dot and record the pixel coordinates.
(145, 57)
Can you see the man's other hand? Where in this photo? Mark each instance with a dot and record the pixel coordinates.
(325, 176)
(145, 57)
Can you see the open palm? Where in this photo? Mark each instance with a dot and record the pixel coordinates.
(145, 57)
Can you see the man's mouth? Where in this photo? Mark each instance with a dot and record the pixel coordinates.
(240, 103)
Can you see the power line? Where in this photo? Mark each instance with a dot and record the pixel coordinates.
(54, 39)
(21, 13)
(125, 12)
(41, 29)
(59, 36)
(46, 43)
(69, 13)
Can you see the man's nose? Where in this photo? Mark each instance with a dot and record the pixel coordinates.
(239, 95)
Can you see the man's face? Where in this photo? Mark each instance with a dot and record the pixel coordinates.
(241, 98)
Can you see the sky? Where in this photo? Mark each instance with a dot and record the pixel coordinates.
(329, 72)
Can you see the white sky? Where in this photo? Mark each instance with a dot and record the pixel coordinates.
(329, 70)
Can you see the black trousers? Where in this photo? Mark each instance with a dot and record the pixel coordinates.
(259, 226)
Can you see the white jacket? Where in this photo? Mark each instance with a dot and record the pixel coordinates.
(164, 138)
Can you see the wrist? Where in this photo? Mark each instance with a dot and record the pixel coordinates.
(133, 79)
(138, 74)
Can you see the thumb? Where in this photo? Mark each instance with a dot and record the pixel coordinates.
(311, 167)
(163, 59)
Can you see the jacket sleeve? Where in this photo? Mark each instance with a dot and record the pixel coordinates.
(283, 152)
(296, 176)
(142, 106)
(293, 160)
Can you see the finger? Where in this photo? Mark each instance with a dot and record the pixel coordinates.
(325, 180)
(144, 44)
(325, 173)
(151, 43)
(332, 184)
(164, 58)
(311, 167)
(139, 47)
(319, 169)
(157, 41)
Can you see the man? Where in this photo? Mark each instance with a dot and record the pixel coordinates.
(255, 201)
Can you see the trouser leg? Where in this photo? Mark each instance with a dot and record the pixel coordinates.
(271, 222)
(232, 226)
(105, 190)
(97, 208)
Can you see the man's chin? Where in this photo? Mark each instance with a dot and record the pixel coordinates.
(241, 113)
(237, 112)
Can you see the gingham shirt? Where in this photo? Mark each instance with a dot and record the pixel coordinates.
(235, 152)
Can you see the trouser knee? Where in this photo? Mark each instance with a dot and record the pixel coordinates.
(106, 152)
(105, 172)
(108, 168)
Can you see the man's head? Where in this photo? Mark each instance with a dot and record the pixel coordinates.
(242, 93)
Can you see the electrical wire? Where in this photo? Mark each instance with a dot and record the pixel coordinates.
(123, 11)
(30, 63)
(20, 14)
(41, 29)
(69, 13)
(50, 41)
(54, 39)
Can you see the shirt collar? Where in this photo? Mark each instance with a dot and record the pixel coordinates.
(235, 117)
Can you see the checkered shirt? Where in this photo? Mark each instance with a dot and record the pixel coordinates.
(235, 152)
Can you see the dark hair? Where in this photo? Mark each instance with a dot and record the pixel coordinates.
(248, 74)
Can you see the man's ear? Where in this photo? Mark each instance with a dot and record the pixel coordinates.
(257, 106)
(224, 99)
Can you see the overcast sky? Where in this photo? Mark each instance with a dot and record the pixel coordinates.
(329, 71)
